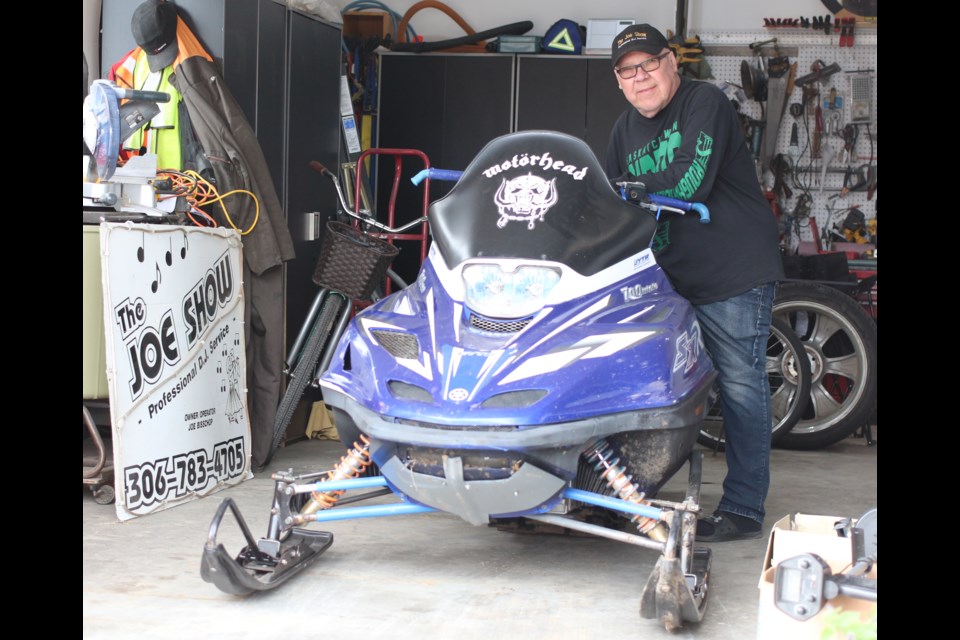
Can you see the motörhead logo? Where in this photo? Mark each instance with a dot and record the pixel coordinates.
(527, 198)
(544, 161)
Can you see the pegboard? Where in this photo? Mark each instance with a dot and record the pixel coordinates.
(827, 206)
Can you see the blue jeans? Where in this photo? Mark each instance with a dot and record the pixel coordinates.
(735, 332)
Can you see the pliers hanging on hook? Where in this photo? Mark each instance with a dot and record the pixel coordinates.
(849, 134)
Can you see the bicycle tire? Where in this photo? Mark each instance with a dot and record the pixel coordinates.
(304, 369)
(788, 370)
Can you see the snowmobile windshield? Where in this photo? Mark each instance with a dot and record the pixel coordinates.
(539, 195)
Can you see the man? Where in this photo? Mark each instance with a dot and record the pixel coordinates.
(682, 139)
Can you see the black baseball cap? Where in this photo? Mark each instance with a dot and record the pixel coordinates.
(154, 27)
(637, 37)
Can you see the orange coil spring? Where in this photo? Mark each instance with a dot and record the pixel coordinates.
(616, 477)
(350, 466)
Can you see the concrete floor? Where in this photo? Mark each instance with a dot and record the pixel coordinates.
(433, 575)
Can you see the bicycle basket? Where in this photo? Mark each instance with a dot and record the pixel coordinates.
(352, 262)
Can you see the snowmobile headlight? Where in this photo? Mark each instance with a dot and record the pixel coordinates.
(496, 293)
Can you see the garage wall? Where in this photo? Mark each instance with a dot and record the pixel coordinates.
(701, 14)
(91, 37)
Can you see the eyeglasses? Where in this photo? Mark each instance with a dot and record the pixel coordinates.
(649, 65)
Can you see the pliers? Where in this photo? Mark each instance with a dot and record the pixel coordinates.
(850, 133)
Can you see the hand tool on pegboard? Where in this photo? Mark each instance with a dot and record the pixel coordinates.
(793, 151)
(778, 67)
(689, 53)
(871, 181)
(781, 168)
(849, 134)
(819, 72)
(817, 131)
(826, 157)
(823, 23)
(791, 79)
(855, 226)
(855, 179)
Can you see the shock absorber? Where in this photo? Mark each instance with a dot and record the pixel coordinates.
(350, 466)
(615, 475)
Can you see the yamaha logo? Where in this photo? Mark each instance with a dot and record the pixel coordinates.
(458, 395)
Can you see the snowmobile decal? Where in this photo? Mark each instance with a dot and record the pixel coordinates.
(688, 349)
(637, 291)
(527, 198)
(468, 371)
(545, 162)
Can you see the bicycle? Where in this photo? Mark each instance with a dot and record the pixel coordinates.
(353, 268)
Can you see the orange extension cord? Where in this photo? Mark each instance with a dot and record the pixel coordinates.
(199, 192)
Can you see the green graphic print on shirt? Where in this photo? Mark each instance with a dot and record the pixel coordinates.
(657, 156)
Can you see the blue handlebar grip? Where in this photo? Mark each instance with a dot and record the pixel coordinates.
(436, 174)
(683, 205)
(703, 211)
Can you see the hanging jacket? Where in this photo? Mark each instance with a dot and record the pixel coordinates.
(211, 131)
(233, 151)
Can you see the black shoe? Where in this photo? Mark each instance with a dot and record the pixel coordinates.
(723, 526)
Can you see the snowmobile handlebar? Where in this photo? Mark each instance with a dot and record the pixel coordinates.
(663, 202)
(636, 192)
(631, 191)
(436, 174)
(364, 215)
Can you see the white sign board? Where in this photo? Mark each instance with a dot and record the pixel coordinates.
(176, 367)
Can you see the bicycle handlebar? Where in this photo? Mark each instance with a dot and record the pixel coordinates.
(364, 215)
(319, 168)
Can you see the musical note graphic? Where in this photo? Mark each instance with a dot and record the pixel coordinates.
(156, 283)
(186, 245)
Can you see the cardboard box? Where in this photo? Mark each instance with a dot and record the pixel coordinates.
(366, 24)
(600, 35)
(792, 536)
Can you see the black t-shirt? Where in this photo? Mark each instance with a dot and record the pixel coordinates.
(694, 150)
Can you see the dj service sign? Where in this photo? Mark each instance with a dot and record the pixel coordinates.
(175, 363)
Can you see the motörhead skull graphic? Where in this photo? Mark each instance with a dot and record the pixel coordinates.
(526, 198)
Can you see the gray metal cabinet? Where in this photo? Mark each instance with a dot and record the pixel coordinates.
(451, 105)
(445, 105)
(573, 94)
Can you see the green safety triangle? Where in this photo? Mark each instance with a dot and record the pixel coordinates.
(562, 41)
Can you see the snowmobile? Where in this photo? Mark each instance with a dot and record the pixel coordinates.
(540, 365)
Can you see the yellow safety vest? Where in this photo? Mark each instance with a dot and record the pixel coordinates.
(162, 135)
